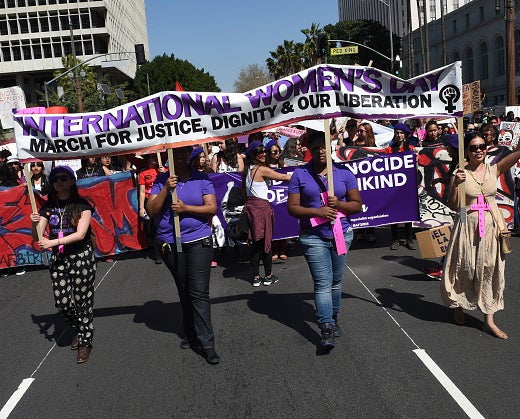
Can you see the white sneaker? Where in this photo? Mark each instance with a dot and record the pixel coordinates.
(20, 272)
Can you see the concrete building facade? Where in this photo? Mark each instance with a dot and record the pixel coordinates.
(474, 34)
(36, 34)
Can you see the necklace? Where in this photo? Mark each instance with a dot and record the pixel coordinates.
(479, 183)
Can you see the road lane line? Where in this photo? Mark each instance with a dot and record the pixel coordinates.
(437, 372)
(22, 388)
(450, 387)
(15, 398)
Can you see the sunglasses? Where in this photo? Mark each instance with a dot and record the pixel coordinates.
(261, 151)
(63, 178)
(361, 130)
(275, 152)
(476, 147)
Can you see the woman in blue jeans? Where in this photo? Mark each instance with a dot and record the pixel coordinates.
(305, 202)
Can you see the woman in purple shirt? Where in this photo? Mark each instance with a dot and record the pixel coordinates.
(305, 202)
(196, 203)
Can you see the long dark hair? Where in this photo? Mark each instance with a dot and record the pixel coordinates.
(290, 149)
(229, 154)
(72, 206)
(251, 161)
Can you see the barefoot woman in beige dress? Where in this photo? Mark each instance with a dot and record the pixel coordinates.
(474, 267)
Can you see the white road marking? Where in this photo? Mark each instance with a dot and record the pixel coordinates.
(24, 385)
(437, 372)
(15, 398)
(450, 387)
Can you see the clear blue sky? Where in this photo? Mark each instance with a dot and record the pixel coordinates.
(222, 37)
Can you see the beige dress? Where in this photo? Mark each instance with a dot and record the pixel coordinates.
(473, 275)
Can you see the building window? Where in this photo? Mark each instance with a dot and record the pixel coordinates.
(484, 62)
(456, 56)
(500, 58)
(454, 26)
(482, 14)
(470, 73)
(466, 19)
(433, 10)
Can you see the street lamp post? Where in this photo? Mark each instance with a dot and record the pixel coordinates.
(73, 69)
(76, 76)
(388, 4)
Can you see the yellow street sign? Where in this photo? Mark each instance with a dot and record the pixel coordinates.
(344, 50)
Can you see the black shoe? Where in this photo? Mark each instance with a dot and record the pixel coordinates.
(158, 261)
(336, 329)
(187, 343)
(327, 336)
(394, 245)
(410, 244)
(210, 356)
(268, 280)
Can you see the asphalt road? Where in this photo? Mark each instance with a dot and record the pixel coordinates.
(400, 356)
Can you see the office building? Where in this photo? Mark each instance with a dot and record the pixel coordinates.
(36, 34)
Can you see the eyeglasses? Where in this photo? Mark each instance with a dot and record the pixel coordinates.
(63, 178)
(261, 151)
(275, 152)
(36, 165)
(476, 147)
(361, 130)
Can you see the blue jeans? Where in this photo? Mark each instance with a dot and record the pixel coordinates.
(327, 273)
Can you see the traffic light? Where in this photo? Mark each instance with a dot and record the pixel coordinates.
(139, 54)
(322, 45)
(396, 68)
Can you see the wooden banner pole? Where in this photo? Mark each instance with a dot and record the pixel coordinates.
(328, 154)
(462, 189)
(176, 221)
(34, 209)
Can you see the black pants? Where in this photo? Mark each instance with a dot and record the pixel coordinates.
(73, 287)
(257, 253)
(191, 271)
(407, 231)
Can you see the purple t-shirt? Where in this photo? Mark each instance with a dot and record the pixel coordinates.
(304, 182)
(190, 192)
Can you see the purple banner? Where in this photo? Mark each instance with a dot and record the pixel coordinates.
(387, 183)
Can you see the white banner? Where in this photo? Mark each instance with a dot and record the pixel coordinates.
(10, 98)
(174, 118)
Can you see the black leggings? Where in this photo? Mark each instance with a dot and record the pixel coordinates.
(257, 253)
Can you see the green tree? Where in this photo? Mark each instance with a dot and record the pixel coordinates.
(365, 32)
(309, 46)
(251, 77)
(64, 91)
(287, 59)
(163, 71)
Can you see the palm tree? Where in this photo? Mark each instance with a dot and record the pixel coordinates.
(287, 59)
(309, 46)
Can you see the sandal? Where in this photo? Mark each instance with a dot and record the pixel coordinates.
(275, 258)
(283, 257)
(496, 332)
